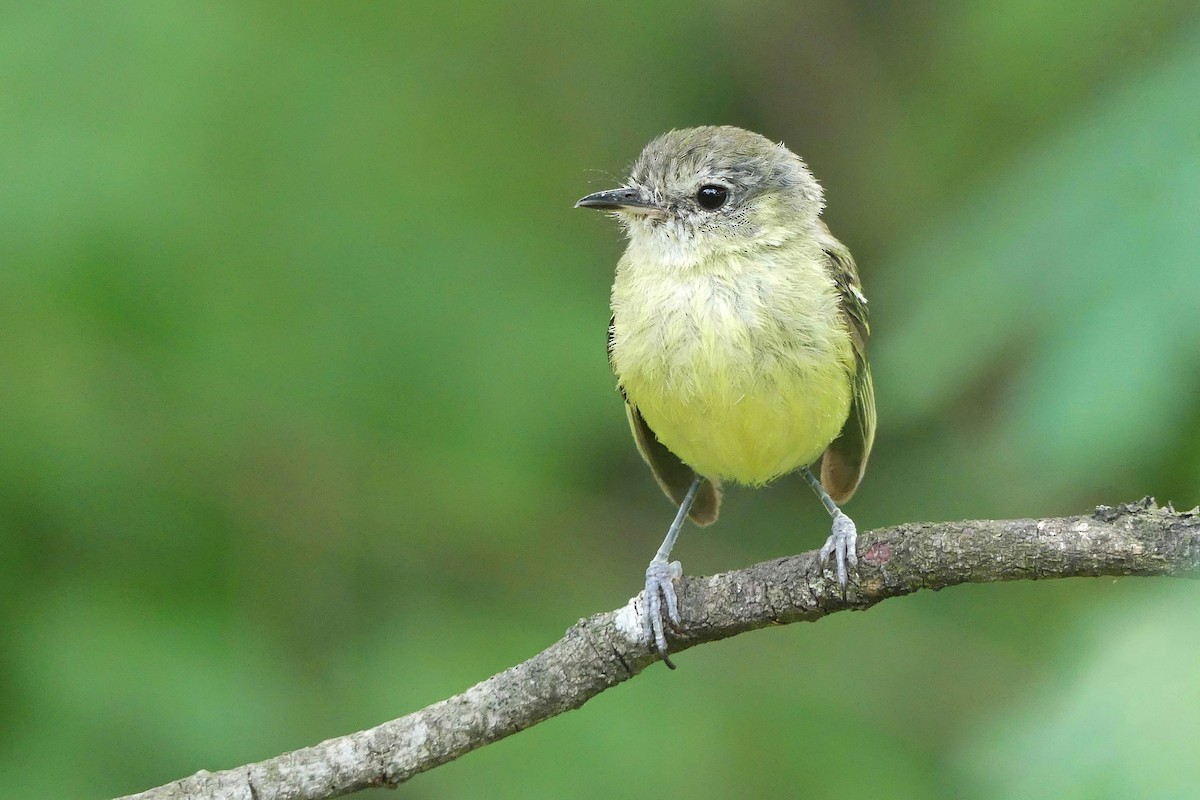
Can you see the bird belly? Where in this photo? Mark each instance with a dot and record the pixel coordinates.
(743, 380)
(744, 370)
(749, 432)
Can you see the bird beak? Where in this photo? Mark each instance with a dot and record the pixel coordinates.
(617, 200)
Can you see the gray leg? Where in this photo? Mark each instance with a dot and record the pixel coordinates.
(660, 580)
(844, 537)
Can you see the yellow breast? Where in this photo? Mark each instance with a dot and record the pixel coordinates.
(743, 372)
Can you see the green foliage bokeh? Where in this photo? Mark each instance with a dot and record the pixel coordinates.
(306, 421)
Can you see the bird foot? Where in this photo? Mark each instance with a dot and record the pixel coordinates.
(660, 597)
(841, 544)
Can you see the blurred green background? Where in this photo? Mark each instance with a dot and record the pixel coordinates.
(306, 421)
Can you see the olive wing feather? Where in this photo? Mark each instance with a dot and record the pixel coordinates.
(845, 459)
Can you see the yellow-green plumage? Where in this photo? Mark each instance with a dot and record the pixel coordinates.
(741, 367)
(738, 336)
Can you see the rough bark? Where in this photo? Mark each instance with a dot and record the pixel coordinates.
(606, 649)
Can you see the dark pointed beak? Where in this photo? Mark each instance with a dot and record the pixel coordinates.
(615, 200)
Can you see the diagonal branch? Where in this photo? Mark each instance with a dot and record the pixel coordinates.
(606, 649)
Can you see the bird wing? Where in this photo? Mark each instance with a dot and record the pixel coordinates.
(845, 459)
(673, 476)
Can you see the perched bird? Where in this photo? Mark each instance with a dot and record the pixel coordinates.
(738, 335)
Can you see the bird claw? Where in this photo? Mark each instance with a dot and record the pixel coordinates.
(842, 544)
(660, 591)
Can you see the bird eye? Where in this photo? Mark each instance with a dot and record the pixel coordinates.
(712, 196)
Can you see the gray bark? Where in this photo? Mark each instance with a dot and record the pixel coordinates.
(606, 649)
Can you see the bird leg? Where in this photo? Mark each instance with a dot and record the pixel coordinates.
(660, 581)
(841, 543)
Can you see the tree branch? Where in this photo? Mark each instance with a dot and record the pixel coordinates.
(606, 649)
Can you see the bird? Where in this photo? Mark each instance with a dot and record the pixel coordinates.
(738, 337)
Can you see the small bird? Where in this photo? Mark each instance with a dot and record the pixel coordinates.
(738, 335)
